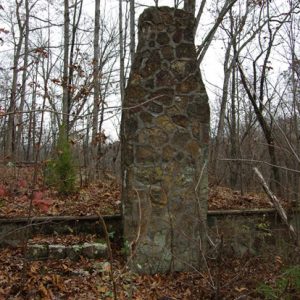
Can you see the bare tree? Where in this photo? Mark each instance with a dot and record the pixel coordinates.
(96, 90)
(257, 93)
(190, 5)
(132, 30)
(24, 80)
(11, 130)
(121, 52)
(65, 80)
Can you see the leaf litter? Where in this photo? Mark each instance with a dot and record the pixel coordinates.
(103, 196)
(90, 278)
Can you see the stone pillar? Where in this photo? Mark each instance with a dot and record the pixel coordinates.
(165, 136)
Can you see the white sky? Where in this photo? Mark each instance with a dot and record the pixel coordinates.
(211, 67)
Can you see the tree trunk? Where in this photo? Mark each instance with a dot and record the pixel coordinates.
(132, 30)
(94, 146)
(220, 131)
(121, 52)
(65, 100)
(31, 130)
(11, 130)
(75, 24)
(24, 83)
(189, 5)
(233, 134)
(267, 131)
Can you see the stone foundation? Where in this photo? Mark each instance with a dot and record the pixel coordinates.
(165, 136)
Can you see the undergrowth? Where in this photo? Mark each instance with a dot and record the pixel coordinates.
(60, 171)
(287, 286)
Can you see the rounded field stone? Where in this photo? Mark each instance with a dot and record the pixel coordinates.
(177, 36)
(162, 92)
(163, 38)
(166, 18)
(171, 28)
(167, 52)
(185, 50)
(166, 123)
(94, 250)
(146, 117)
(155, 108)
(158, 196)
(150, 175)
(73, 252)
(194, 109)
(193, 148)
(152, 35)
(179, 156)
(131, 127)
(180, 120)
(129, 156)
(181, 14)
(135, 79)
(155, 136)
(57, 251)
(152, 44)
(188, 35)
(196, 129)
(180, 138)
(164, 78)
(173, 110)
(182, 69)
(149, 84)
(145, 154)
(168, 153)
(151, 64)
(37, 252)
(135, 94)
(163, 96)
(150, 15)
(204, 112)
(188, 85)
(166, 100)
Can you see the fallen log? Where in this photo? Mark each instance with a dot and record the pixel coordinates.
(277, 205)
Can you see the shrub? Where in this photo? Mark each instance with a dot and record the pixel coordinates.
(60, 171)
(287, 286)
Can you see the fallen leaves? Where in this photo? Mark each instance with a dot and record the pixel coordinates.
(87, 279)
(226, 198)
(40, 202)
(3, 191)
(103, 196)
(16, 195)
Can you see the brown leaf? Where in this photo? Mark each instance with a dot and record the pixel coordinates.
(44, 291)
(241, 289)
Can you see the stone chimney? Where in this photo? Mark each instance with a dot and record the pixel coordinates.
(164, 147)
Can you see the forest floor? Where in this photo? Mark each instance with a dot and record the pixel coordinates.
(247, 277)
(222, 277)
(102, 197)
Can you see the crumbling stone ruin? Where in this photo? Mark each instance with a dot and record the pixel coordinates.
(165, 136)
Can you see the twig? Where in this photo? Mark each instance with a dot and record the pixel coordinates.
(219, 261)
(110, 257)
(134, 243)
(260, 162)
(27, 232)
(203, 223)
